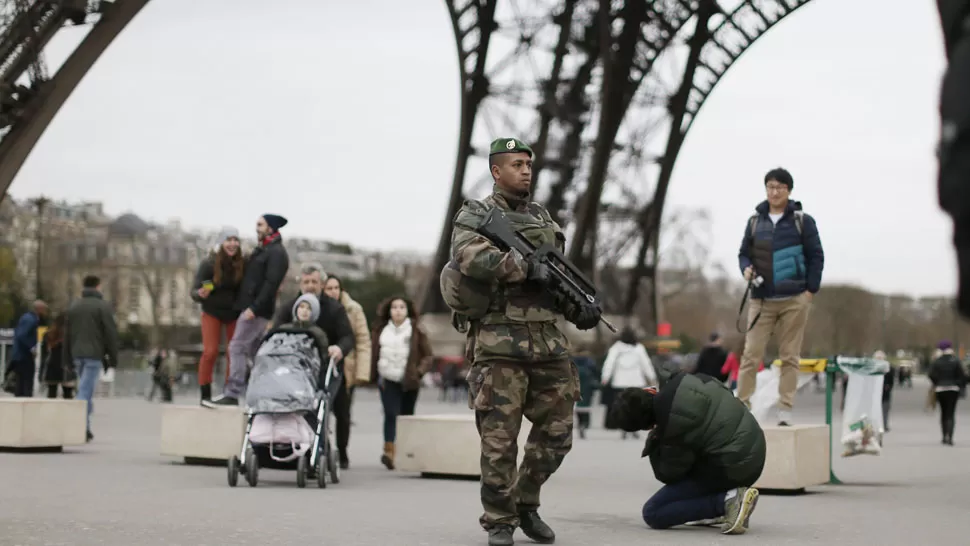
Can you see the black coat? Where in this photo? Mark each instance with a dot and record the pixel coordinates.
(265, 271)
(332, 320)
(947, 371)
(54, 370)
(221, 302)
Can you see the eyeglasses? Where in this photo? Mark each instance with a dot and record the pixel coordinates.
(776, 189)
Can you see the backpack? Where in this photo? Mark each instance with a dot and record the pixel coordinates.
(753, 223)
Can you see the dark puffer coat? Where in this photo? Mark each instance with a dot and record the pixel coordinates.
(704, 433)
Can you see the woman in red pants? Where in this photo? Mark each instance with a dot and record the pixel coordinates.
(216, 286)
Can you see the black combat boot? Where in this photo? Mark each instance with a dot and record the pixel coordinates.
(501, 535)
(206, 392)
(222, 401)
(536, 529)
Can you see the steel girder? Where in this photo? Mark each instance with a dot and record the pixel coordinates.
(27, 110)
(517, 59)
(726, 37)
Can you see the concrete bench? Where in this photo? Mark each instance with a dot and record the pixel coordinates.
(443, 445)
(202, 435)
(42, 424)
(797, 457)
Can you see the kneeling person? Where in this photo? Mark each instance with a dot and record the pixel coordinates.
(704, 445)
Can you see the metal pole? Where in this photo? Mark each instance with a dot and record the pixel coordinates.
(40, 348)
(41, 204)
(830, 369)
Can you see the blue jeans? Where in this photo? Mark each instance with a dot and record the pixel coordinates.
(88, 371)
(396, 401)
(678, 503)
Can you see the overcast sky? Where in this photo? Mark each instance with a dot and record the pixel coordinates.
(343, 116)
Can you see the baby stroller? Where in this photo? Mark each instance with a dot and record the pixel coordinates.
(289, 401)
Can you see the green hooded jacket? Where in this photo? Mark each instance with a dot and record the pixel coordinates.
(704, 433)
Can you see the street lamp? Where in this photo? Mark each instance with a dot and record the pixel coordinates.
(41, 204)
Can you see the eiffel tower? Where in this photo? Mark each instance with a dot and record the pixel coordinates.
(587, 82)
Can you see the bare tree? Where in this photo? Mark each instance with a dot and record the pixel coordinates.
(843, 320)
(684, 251)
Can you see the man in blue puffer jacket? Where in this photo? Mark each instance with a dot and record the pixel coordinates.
(782, 253)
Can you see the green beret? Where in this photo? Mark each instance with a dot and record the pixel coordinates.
(509, 146)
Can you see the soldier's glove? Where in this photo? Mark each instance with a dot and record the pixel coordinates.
(538, 272)
(587, 316)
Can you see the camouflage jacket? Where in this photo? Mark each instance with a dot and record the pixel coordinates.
(522, 320)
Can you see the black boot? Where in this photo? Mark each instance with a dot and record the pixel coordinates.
(344, 460)
(206, 392)
(501, 535)
(222, 401)
(536, 529)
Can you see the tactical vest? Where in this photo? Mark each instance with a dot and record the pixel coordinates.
(519, 302)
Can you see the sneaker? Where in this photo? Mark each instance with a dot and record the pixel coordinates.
(88, 436)
(501, 535)
(221, 401)
(536, 529)
(738, 509)
(784, 418)
(707, 522)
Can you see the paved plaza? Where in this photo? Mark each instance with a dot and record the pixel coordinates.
(118, 491)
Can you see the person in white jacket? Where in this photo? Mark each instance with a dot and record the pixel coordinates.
(628, 365)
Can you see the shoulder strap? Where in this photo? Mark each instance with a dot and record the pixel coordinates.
(799, 221)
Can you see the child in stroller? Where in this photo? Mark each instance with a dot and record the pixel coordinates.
(290, 396)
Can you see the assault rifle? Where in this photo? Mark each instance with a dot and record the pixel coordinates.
(568, 281)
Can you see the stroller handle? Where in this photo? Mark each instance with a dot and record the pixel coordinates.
(332, 373)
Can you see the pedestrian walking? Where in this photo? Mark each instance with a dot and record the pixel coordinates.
(520, 357)
(401, 355)
(948, 378)
(356, 364)
(91, 341)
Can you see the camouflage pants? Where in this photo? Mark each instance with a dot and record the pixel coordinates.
(501, 393)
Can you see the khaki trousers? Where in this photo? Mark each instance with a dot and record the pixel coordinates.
(786, 319)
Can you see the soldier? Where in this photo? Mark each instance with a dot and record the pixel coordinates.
(520, 356)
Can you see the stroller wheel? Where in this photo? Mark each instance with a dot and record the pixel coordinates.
(321, 471)
(301, 472)
(233, 471)
(334, 467)
(252, 468)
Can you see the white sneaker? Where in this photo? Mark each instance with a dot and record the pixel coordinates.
(706, 522)
(784, 418)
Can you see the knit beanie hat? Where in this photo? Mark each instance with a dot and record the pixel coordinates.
(275, 221)
(225, 234)
(314, 303)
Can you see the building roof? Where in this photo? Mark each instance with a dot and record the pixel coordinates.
(129, 225)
